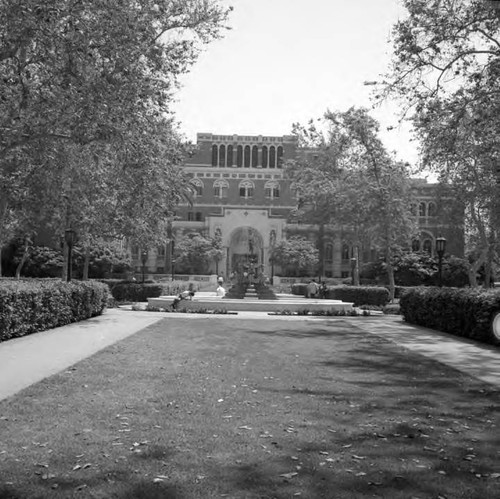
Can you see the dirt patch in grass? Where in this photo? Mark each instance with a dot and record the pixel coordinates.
(221, 407)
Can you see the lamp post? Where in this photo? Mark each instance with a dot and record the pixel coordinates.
(354, 261)
(69, 237)
(440, 249)
(144, 259)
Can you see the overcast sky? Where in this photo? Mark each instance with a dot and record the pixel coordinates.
(287, 61)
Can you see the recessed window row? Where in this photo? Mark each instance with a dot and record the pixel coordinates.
(247, 156)
(246, 188)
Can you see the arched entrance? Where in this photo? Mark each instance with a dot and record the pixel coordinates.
(246, 249)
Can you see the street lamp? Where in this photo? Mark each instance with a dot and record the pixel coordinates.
(144, 259)
(354, 262)
(440, 249)
(69, 237)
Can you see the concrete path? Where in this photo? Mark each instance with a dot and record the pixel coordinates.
(27, 360)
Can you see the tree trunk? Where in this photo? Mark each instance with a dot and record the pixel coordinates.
(0, 259)
(86, 263)
(64, 273)
(23, 260)
(392, 282)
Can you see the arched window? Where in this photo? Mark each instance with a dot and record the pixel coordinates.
(246, 188)
(280, 157)
(230, 155)
(272, 190)
(247, 157)
(431, 210)
(222, 155)
(215, 152)
(421, 209)
(427, 246)
(220, 189)
(264, 156)
(198, 186)
(345, 251)
(272, 157)
(239, 156)
(255, 156)
(415, 245)
(329, 252)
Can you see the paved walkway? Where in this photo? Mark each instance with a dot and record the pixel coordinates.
(27, 360)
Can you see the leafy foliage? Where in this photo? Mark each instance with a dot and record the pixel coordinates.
(87, 136)
(295, 255)
(194, 252)
(445, 70)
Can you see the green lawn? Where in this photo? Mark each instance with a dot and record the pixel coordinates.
(225, 407)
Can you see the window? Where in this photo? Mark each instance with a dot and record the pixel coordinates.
(255, 156)
(198, 216)
(246, 189)
(220, 189)
(329, 253)
(421, 209)
(247, 157)
(135, 251)
(345, 252)
(280, 156)
(161, 250)
(229, 156)
(413, 209)
(215, 151)
(431, 210)
(428, 246)
(264, 157)
(190, 216)
(272, 157)
(415, 245)
(272, 190)
(222, 156)
(198, 187)
(239, 156)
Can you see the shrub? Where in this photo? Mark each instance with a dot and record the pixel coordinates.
(29, 306)
(359, 295)
(462, 312)
(299, 288)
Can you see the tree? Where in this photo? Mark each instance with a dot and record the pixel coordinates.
(88, 83)
(194, 252)
(357, 185)
(445, 70)
(295, 255)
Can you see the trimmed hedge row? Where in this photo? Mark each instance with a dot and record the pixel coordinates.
(30, 306)
(460, 311)
(137, 292)
(358, 295)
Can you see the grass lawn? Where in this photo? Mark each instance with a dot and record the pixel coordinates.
(226, 407)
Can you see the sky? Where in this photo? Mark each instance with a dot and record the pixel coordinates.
(287, 61)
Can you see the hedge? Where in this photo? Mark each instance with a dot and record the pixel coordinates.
(358, 295)
(29, 306)
(459, 311)
(132, 291)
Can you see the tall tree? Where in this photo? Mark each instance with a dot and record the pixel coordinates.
(356, 185)
(78, 75)
(445, 70)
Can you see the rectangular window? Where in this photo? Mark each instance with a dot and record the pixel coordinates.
(190, 216)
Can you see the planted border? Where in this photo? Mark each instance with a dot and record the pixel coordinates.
(30, 306)
(462, 312)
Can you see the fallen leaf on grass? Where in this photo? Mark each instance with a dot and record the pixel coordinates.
(245, 427)
(289, 475)
(354, 456)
